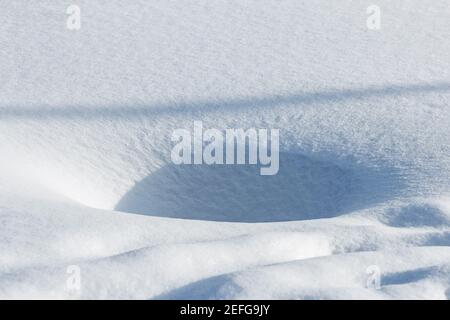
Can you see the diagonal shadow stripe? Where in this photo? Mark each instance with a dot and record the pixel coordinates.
(136, 111)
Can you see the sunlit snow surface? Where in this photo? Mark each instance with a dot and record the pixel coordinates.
(86, 178)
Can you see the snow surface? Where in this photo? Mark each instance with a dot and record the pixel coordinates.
(85, 173)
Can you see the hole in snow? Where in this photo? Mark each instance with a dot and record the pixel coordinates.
(302, 189)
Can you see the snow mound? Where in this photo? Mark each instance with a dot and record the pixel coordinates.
(86, 178)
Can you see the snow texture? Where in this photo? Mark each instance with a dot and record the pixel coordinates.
(86, 177)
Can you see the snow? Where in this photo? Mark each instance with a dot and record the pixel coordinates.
(86, 179)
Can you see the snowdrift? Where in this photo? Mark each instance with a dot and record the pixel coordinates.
(86, 177)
